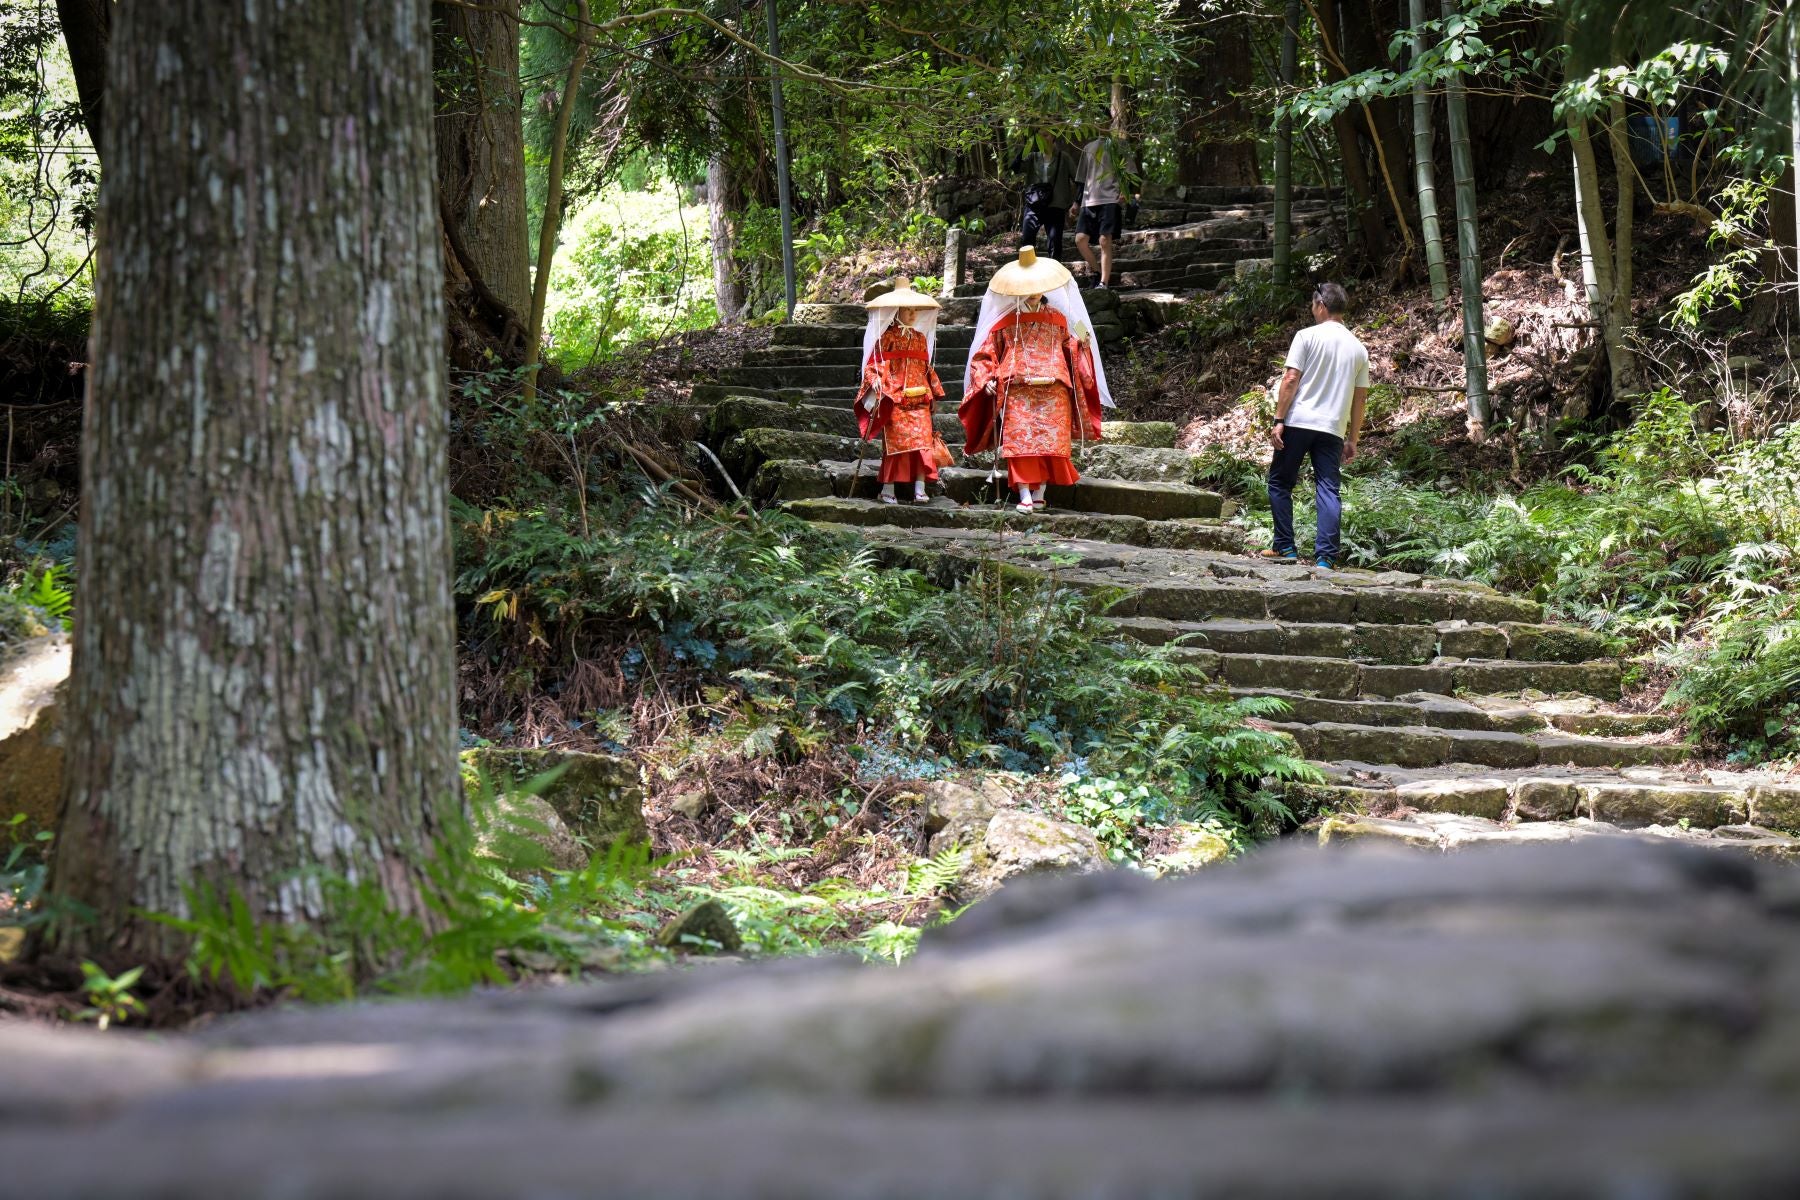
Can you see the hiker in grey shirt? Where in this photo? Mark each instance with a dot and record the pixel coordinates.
(1101, 214)
(1318, 415)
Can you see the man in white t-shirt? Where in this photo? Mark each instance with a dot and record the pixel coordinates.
(1318, 415)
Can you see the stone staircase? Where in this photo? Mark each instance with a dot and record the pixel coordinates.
(1440, 713)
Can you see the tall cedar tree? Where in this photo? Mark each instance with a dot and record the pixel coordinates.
(263, 677)
(1216, 143)
(481, 144)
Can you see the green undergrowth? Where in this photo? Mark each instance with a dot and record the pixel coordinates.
(496, 910)
(1674, 535)
(794, 640)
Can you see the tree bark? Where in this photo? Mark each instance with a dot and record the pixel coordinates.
(723, 203)
(1216, 143)
(1794, 132)
(1609, 296)
(1371, 230)
(87, 32)
(1362, 51)
(1424, 173)
(1284, 148)
(263, 678)
(481, 142)
(1468, 253)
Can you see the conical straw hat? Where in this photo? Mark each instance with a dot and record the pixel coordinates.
(903, 296)
(1029, 275)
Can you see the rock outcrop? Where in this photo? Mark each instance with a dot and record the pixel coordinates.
(31, 738)
(1606, 1018)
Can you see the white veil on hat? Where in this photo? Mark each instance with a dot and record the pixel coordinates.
(879, 320)
(1065, 300)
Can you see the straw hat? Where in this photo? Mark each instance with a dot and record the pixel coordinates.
(903, 296)
(1030, 275)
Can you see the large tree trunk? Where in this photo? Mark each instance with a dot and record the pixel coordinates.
(723, 203)
(1284, 148)
(1216, 143)
(1363, 51)
(87, 32)
(481, 142)
(1468, 253)
(264, 645)
(1371, 230)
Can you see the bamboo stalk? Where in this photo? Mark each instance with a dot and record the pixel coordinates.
(1468, 253)
(1422, 166)
(551, 225)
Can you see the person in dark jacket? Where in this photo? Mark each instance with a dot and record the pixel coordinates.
(1048, 168)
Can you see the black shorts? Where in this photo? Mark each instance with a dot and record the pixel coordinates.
(1101, 220)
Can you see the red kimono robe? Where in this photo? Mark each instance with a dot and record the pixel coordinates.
(901, 374)
(1044, 382)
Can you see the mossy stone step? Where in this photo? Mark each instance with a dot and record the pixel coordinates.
(1386, 643)
(1450, 832)
(1150, 435)
(813, 385)
(1143, 464)
(1110, 497)
(1427, 746)
(947, 358)
(851, 336)
(1628, 798)
(952, 312)
(737, 414)
(1202, 586)
(1415, 708)
(1345, 679)
(1190, 534)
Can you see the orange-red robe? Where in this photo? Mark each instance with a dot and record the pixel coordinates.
(1036, 422)
(901, 363)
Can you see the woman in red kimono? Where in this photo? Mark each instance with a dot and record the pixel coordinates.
(1035, 384)
(900, 386)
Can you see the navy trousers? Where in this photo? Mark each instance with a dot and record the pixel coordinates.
(1326, 451)
(1046, 216)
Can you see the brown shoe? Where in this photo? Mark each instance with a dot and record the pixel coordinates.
(1287, 556)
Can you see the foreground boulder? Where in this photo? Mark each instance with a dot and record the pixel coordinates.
(1606, 1018)
(598, 797)
(31, 735)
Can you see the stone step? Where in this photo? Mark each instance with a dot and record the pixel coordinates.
(1203, 586)
(738, 414)
(899, 519)
(1446, 832)
(1140, 464)
(1181, 252)
(1414, 708)
(1631, 798)
(851, 336)
(781, 480)
(1426, 746)
(1347, 679)
(1401, 644)
(956, 311)
(748, 450)
(839, 396)
(1583, 717)
(845, 358)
